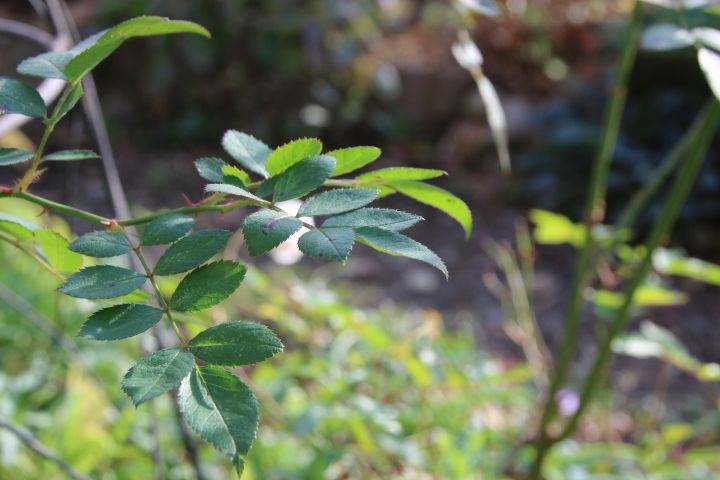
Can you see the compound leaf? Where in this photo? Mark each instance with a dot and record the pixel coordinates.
(120, 321)
(266, 229)
(236, 343)
(156, 374)
(191, 251)
(207, 286)
(103, 281)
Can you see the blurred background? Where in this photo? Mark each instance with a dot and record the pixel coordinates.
(390, 371)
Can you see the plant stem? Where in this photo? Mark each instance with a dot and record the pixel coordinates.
(34, 444)
(10, 240)
(661, 229)
(595, 211)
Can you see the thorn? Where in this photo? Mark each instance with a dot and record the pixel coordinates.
(110, 224)
(5, 190)
(188, 202)
(44, 211)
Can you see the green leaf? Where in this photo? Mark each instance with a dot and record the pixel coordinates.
(192, 251)
(440, 199)
(71, 156)
(266, 229)
(220, 408)
(120, 321)
(166, 229)
(236, 343)
(645, 296)
(70, 101)
(102, 281)
(303, 178)
(665, 36)
(709, 61)
(373, 217)
(350, 159)
(291, 153)
(398, 244)
(667, 262)
(388, 175)
(336, 201)
(16, 97)
(553, 229)
(235, 176)
(247, 150)
(111, 40)
(210, 169)
(236, 191)
(46, 65)
(331, 243)
(156, 374)
(207, 286)
(16, 226)
(101, 245)
(12, 156)
(55, 248)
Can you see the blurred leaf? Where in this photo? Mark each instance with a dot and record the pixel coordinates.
(16, 97)
(350, 159)
(387, 175)
(645, 296)
(235, 343)
(55, 249)
(16, 226)
(102, 281)
(156, 374)
(552, 229)
(101, 244)
(234, 175)
(167, 229)
(680, 4)
(496, 119)
(710, 64)
(373, 217)
(666, 36)
(71, 156)
(207, 286)
(266, 229)
(336, 201)
(670, 263)
(331, 243)
(440, 199)
(191, 251)
(291, 153)
(120, 321)
(13, 156)
(302, 178)
(394, 243)
(247, 150)
(483, 7)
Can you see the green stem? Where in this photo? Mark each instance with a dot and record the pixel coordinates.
(661, 229)
(60, 208)
(595, 211)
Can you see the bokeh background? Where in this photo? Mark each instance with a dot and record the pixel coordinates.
(390, 372)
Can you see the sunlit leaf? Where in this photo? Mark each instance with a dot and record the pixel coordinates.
(350, 159)
(291, 153)
(55, 248)
(394, 243)
(373, 217)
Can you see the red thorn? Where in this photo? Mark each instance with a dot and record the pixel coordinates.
(110, 224)
(188, 202)
(44, 211)
(5, 190)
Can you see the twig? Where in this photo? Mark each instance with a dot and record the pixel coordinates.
(37, 447)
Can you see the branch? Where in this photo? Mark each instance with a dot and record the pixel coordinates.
(37, 447)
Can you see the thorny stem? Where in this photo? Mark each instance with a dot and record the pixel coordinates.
(595, 211)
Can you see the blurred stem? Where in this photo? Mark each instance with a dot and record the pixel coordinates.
(659, 233)
(34, 444)
(15, 243)
(595, 211)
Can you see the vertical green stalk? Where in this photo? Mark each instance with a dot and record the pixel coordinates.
(661, 229)
(595, 211)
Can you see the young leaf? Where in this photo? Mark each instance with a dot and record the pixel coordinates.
(70, 101)
(16, 226)
(101, 244)
(111, 40)
(167, 229)
(303, 178)
(234, 190)
(235, 176)
(398, 244)
(247, 150)
(12, 156)
(373, 217)
(55, 249)
(210, 169)
(291, 153)
(16, 97)
(102, 281)
(207, 286)
(336, 201)
(350, 159)
(120, 321)
(387, 175)
(156, 374)
(266, 229)
(192, 251)
(220, 408)
(71, 156)
(440, 199)
(236, 343)
(331, 243)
